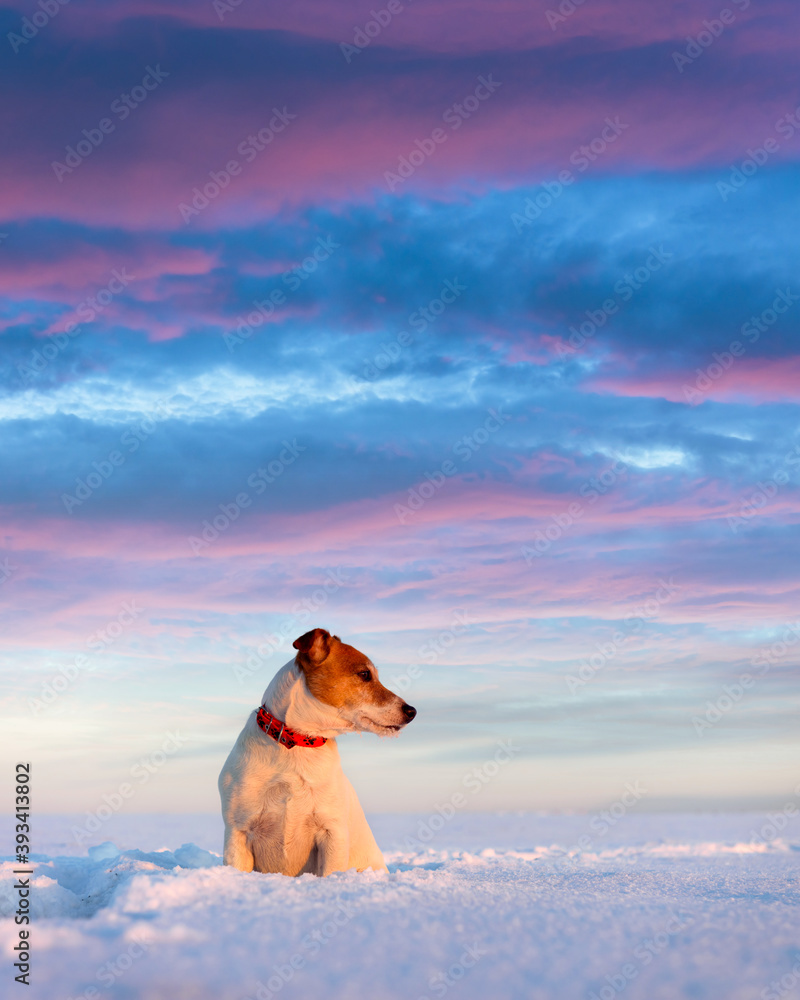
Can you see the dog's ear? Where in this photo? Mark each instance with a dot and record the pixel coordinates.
(314, 645)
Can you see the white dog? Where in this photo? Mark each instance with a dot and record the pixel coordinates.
(286, 802)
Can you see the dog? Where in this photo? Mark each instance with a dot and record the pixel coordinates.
(287, 805)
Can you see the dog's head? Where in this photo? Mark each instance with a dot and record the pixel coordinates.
(341, 676)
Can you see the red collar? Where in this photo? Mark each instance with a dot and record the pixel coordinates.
(282, 734)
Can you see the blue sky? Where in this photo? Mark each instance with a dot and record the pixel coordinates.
(523, 427)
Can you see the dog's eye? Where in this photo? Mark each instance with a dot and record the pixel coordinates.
(365, 675)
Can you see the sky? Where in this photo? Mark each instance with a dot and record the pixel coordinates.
(466, 330)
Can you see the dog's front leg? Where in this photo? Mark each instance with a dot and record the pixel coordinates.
(237, 852)
(333, 851)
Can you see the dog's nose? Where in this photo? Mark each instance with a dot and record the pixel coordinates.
(408, 712)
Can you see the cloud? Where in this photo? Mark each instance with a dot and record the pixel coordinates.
(458, 388)
(354, 122)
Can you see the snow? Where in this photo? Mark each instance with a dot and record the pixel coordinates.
(505, 907)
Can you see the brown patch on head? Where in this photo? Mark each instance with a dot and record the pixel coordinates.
(336, 673)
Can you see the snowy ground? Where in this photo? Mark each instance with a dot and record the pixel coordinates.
(492, 907)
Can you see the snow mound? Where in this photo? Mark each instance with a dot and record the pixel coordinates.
(665, 909)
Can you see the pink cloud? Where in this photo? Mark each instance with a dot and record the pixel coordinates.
(346, 137)
(753, 380)
(265, 563)
(84, 269)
